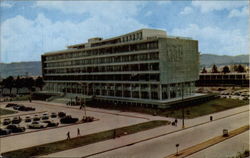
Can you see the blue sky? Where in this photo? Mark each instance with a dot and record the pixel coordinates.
(30, 28)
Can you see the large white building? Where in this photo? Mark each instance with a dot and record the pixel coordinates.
(145, 67)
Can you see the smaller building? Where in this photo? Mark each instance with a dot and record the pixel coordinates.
(223, 79)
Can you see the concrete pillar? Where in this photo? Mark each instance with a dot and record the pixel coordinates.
(168, 90)
(140, 91)
(149, 91)
(160, 91)
(131, 89)
(122, 90)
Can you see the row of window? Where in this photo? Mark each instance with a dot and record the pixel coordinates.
(116, 59)
(116, 68)
(123, 77)
(207, 77)
(104, 51)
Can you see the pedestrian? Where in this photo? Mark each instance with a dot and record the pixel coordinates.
(68, 135)
(78, 132)
(211, 118)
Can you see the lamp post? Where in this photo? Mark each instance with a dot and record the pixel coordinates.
(84, 96)
(177, 151)
(183, 113)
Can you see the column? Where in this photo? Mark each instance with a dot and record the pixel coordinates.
(160, 91)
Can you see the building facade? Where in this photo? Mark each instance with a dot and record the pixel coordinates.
(141, 67)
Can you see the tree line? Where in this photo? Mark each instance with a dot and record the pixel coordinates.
(18, 83)
(225, 69)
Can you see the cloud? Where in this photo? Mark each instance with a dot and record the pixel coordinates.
(216, 40)
(186, 11)
(100, 8)
(23, 39)
(163, 2)
(148, 13)
(5, 4)
(239, 13)
(207, 6)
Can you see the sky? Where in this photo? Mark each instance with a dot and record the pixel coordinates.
(31, 28)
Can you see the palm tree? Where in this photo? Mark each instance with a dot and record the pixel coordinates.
(204, 70)
(214, 69)
(225, 69)
(241, 69)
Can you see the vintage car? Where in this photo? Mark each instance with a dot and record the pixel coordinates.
(16, 120)
(6, 121)
(68, 119)
(51, 123)
(37, 125)
(15, 128)
(53, 115)
(4, 131)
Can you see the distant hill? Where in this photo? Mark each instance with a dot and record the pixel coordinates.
(34, 68)
(210, 59)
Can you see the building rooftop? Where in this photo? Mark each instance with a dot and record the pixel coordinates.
(139, 35)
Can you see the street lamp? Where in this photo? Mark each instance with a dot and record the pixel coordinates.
(84, 96)
(183, 113)
(177, 152)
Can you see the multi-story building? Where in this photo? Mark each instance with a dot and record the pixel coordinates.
(142, 67)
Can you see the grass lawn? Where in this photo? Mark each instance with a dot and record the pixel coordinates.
(83, 140)
(6, 112)
(206, 108)
(191, 111)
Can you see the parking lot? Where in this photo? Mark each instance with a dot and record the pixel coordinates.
(104, 120)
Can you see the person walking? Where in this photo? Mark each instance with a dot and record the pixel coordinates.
(68, 135)
(78, 132)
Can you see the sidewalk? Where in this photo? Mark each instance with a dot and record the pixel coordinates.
(208, 143)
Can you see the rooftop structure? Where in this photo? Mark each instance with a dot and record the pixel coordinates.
(142, 67)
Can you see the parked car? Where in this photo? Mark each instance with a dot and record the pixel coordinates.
(30, 109)
(24, 108)
(36, 125)
(61, 114)
(10, 105)
(6, 121)
(45, 117)
(15, 128)
(87, 119)
(51, 123)
(27, 119)
(36, 118)
(53, 115)
(68, 119)
(16, 107)
(16, 120)
(4, 131)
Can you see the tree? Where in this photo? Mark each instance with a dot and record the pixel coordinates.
(18, 84)
(8, 83)
(39, 82)
(29, 82)
(214, 69)
(204, 70)
(225, 69)
(241, 69)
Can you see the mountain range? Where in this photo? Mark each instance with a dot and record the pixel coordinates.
(33, 68)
